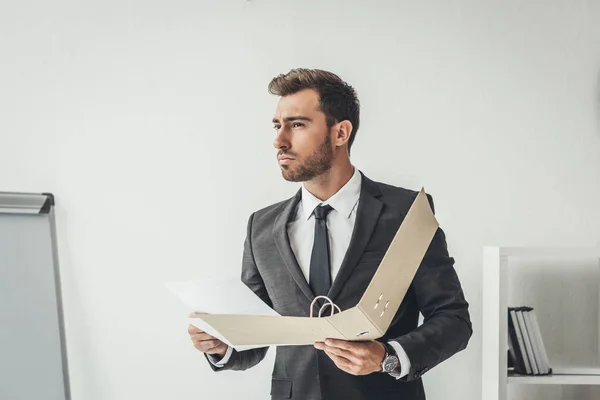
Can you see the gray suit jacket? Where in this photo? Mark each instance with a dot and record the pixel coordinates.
(270, 269)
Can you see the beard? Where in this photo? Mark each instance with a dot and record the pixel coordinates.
(317, 163)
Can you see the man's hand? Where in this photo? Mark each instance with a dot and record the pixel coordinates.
(206, 343)
(356, 358)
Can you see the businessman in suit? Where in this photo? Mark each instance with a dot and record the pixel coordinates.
(329, 239)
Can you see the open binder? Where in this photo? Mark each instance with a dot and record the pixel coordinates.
(368, 320)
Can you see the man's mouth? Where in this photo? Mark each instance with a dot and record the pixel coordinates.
(284, 160)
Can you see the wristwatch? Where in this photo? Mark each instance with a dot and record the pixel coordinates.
(390, 360)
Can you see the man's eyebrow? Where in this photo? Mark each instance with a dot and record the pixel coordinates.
(294, 118)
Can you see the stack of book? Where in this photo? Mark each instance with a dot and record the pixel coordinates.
(526, 350)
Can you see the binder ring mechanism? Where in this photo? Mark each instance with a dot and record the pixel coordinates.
(333, 308)
(329, 303)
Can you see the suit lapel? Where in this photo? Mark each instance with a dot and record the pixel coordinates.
(283, 245)
(369, 209)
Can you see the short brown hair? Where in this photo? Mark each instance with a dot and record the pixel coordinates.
(337, 99)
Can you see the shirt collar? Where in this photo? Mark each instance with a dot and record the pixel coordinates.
(343, 201)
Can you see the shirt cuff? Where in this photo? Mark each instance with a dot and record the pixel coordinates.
(221, 363)
(403, 358)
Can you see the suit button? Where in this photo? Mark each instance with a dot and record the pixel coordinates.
(420, 373)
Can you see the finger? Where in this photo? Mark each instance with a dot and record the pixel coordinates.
(359, 349)
(345, 354)
(211, 344)
(340, 362)
(346, 365)
(194, 329)
(216, 349)
(198, 337)
(207, 345)
(341, 344)
(352, 357)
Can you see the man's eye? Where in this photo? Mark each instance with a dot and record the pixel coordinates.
(276, 127)
(297, 124)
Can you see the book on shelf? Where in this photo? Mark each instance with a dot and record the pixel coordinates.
(526, 351)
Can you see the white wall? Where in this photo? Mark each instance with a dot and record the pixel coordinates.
(150, 122)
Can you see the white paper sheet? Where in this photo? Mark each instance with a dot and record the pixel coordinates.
(219, 296)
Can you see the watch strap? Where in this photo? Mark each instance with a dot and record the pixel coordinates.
(389, 350)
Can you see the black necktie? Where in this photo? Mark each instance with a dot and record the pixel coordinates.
(320, 270)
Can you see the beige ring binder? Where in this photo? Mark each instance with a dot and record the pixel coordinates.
(368, 320)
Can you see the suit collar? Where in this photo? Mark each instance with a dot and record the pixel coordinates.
(369, 186)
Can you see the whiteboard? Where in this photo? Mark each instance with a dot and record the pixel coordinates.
(33, 357)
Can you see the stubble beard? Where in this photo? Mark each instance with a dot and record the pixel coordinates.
(316, 164)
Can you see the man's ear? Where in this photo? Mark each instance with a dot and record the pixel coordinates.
(341, 132)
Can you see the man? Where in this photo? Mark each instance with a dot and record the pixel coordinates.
(329, 240)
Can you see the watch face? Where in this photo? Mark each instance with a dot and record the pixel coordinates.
(390, 363)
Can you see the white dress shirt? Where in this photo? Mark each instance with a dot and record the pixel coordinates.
(340, 225)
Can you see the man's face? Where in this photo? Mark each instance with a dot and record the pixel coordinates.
(303, 140)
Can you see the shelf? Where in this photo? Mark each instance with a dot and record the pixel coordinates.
(554, 379)
(550, 252)
(496, 283)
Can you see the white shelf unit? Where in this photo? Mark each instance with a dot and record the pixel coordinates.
(555, 380)
(495, 378)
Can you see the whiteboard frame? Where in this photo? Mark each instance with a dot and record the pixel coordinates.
(43, 203)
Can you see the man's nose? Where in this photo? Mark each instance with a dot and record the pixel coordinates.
(281, 139)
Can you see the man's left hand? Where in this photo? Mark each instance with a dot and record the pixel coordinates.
(356, 358)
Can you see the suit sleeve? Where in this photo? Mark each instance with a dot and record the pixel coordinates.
(242, 360)
(446, 327)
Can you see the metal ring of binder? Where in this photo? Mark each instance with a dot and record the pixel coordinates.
(333, 306)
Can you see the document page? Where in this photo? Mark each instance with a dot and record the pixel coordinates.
(219, 296)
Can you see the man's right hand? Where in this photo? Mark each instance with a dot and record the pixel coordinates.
(206, 343)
